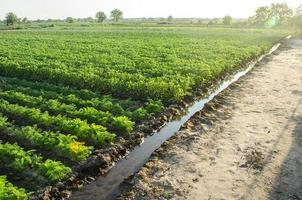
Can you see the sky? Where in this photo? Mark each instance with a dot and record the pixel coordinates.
(60, 9)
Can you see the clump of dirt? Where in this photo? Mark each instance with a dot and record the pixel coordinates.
(254, 159)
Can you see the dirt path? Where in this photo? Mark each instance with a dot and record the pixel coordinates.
(246, 145)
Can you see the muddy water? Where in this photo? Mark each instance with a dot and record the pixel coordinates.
(107, 187)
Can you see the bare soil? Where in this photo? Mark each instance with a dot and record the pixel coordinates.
(246, 143)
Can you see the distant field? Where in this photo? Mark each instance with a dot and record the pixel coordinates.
(67, 91)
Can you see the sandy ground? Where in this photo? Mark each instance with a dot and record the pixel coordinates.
(247, 145)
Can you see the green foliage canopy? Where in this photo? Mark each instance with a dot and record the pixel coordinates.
(100, 17)
(227, 20)
(11, 18)
(116, 15)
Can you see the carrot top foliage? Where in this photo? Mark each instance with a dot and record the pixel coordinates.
(9, 192)
(142, 63)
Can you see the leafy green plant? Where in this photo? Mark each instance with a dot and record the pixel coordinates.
(154, 107)
(9, 192)
(123, 124)
(13, 156)
(53, 170)
(139, 114)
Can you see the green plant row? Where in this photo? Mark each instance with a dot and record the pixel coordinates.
(138, 87)
(55, 107)
(127, 108)
(14, 157)
(10, 192)
(91, 133)
(79, 97)
(63, 145)
(56, 89)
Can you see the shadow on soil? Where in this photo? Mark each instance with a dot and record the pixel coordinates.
(288, 183)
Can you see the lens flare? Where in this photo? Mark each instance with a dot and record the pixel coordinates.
(271, 22)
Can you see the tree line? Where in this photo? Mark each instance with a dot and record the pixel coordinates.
(267, 16)
(275, 14)
(116, 15)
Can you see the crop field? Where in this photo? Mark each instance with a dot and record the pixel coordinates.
(66, 93)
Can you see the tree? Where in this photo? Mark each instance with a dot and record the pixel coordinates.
(273, 15)
(210, 23)
(116, 15)
(262, 15)
(227, 20)
(170, 18)
(298, 18)
(298, 22)
(11, 19)
(299, 10)
(281, 12)
(89, 19)
(25, 20)
(100, 16)
(69, 20)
